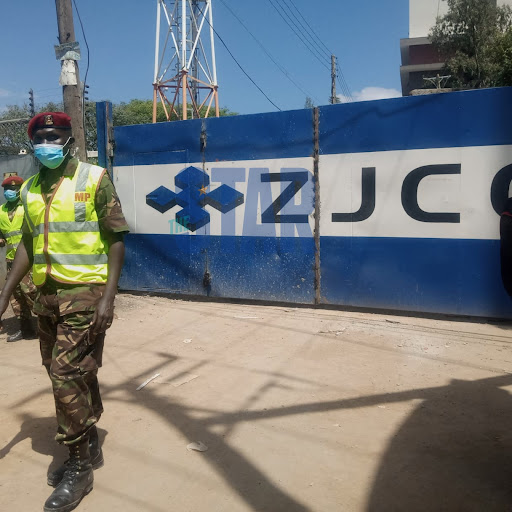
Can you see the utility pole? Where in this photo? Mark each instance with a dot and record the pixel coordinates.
(69, 78)
(437, 80)
(31, 105)
(333, 80)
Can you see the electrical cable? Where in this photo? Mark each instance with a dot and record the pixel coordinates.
(347, 88)
(49, 94)
(346, 99)
(311, 40)
(344, 86)
(319, 58)
(309, 26)
(305, 31)
(87, 68)
(312, 44)
(279, 66)
(50, 89)
(85, 41)
(237, 63)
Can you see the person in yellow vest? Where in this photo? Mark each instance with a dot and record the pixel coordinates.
(73, 240)
(11, 220)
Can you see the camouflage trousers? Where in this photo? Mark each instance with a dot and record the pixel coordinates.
(72, 357)
(22, 298)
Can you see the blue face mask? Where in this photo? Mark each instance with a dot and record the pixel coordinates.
(11, 195)
(50, 155)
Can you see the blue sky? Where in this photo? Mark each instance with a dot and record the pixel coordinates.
(364, 35)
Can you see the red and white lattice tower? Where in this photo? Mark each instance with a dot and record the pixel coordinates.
(185, 79)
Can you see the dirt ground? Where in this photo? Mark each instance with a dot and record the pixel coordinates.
(301, 410)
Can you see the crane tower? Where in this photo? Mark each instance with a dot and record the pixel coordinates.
(185, 79)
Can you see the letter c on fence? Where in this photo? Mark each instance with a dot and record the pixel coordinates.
(500, 187)
(410, 194)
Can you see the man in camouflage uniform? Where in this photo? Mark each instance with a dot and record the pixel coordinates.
(11, 219)
(73, 311)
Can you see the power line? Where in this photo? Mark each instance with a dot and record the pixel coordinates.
(311, 29)
(308, 41)
(317, 41)
(51, 95)
(237, 63)
(51, 89)
(279, 66)
(85, 41)
(343, 83)
(311, 39)
(316, 55)
(84, 119)
(344, 86)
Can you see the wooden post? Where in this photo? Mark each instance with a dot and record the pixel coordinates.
(72, 94)
(155, 100)
(333, 80)
(184, 79)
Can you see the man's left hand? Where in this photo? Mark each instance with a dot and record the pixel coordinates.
(103, 316)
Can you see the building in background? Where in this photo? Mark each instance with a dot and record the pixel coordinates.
(419, 58)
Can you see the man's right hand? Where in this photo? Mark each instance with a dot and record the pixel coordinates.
(2, 242)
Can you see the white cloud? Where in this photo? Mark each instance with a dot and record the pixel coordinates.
(373, 93)
(4, 93)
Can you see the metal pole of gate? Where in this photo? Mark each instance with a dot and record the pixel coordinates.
(105, 135)
(316, 181)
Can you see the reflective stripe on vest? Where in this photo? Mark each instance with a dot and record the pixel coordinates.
(23, 194)
(67, 227)
(67, 242)
(72, 259)
(11, 229)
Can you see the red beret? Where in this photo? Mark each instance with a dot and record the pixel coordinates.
(48, 120)
(12, 180)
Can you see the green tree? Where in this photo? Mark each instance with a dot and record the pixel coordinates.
(141, 112)
(133, 112)
(473, 37)
(91, 133)
(13, 129)
(503, 56)
(309, 103)
(13, 135)
(13, 126)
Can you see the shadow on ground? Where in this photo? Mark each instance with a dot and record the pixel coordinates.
(41, 432)
(453, 453)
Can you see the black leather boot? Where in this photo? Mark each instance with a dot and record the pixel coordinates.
(76, 482)
(16, 336)
(95, 451)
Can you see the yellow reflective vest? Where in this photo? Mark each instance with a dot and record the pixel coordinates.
(11, 229)
(67, 242)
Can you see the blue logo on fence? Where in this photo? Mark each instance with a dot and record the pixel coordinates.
(194, 196)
